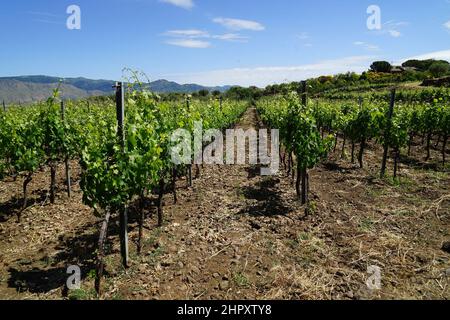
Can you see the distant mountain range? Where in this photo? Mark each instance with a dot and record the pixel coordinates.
(27, 89)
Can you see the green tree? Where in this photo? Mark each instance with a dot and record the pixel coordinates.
(422, 65)
(381, 66)
(203, 93)
(439, 69)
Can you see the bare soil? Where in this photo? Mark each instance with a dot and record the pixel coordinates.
(238, 235)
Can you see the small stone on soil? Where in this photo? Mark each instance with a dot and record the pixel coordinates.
(224, 285)
(447, 272)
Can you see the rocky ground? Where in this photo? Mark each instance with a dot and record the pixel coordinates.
(238, 235)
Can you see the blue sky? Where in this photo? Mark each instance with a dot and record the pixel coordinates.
(217, 42)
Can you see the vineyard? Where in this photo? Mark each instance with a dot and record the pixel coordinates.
(364, 180)
(303, 129)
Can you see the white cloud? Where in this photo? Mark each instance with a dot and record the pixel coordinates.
(231, 37)
(264, 76)
(189, 43)
(395, 33)
(238, 24)
(193, 33)
(46, 17)
(367, 46)
(447, 25)
(303, 36)
(190, 33)
(185, 4)
(392, 28)
(438, 55)
(396, 24)
(46, 14)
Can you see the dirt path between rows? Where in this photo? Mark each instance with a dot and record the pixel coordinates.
(238, 235)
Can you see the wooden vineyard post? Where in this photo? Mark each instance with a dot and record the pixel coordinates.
(387, 133)
(189, 177)
(66, 160)
(304, 170)
(304, 94)
(4, 106)
(101, 252)
(123, 214)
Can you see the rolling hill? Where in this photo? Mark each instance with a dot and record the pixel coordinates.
(26, 89)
